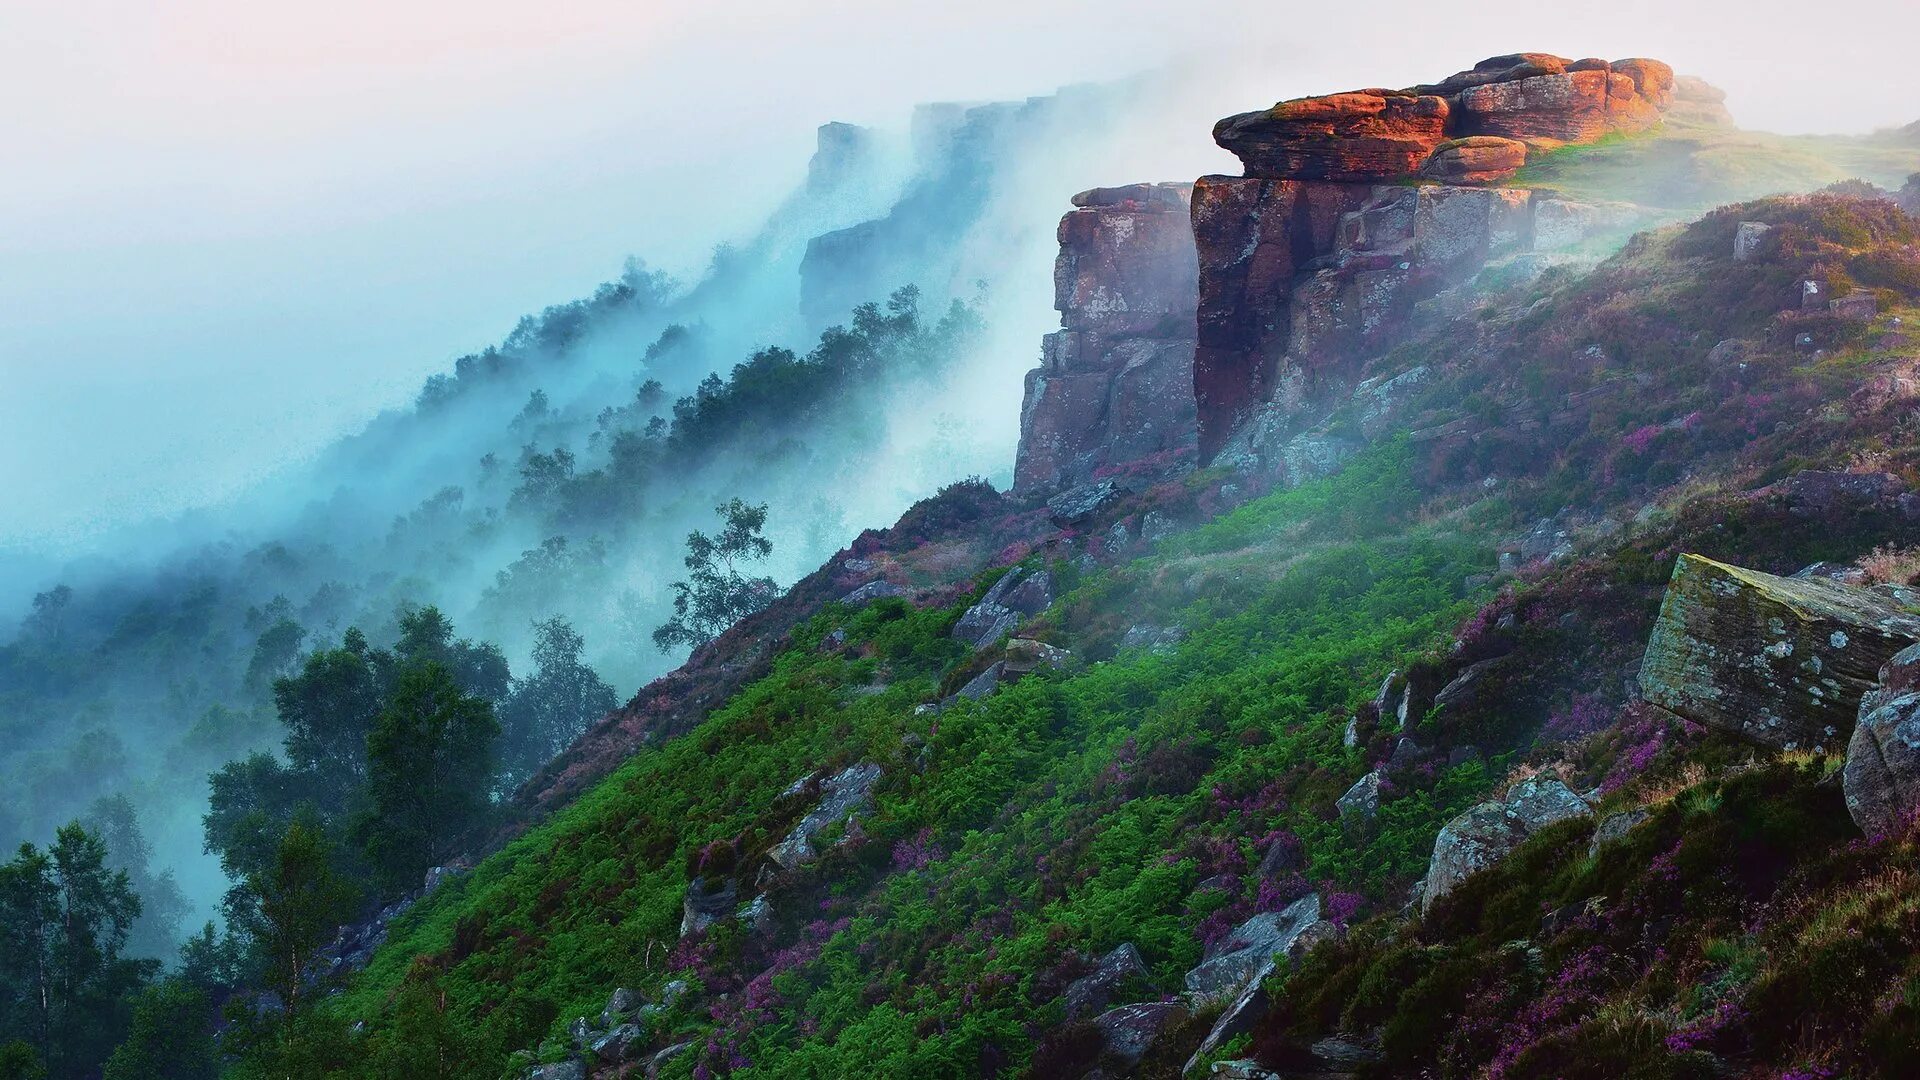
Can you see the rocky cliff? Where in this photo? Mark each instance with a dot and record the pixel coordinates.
(1354, 207)
(1115, 383)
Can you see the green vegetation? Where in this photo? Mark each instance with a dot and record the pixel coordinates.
(1067, 813)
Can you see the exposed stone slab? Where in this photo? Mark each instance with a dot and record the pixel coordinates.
(1782, 661)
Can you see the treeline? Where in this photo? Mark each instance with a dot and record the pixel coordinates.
(773, 396)
(393, 760)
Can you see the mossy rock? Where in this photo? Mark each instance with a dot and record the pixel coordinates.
(1781, 661)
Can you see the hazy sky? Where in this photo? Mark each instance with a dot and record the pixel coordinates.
(230, 229)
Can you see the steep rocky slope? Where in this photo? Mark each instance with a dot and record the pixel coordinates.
(1379, 699)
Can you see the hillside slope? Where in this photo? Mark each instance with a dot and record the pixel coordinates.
(1293, 756)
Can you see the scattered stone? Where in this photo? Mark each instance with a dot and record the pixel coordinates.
(1858, 305)
(1130, 1030)
(560, 1070)
(1485, 834)
(621, 1044)
(1361, 801)
(1248, 952)
(1281, 856)
(1782, 661)
(1346, 1053)
(1463, 686)
(1614, 826)
(1242, 1069)
(706, 903)
(659, 1060)
(842, 795)
(1158, 640)
(1091, 993)
(1075, 506)
(620, 1004)
(1747, 238)
(871, 591)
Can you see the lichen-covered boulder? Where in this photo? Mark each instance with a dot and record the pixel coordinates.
(1882, 776)
(841, 796)
(1248, 952)
(707, 902)
(1361, 801)
(1092, 992)
(1781, 661)
(1485, 834)
(1130, 1030)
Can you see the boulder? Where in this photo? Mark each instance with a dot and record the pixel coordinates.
(624, 1043)
(841, 796)
(871, 591)
(1696, 101)
(1248, 952)
(1882, 775)
(620, 1005)
(1019, 593)
(706, 903)
(1614, 826)
(1130, 1030)
(1076, 506)
(1859, 305)
(660, 1059)
(560, 1070)
(1485, 834)
(1361, 801)
(1246, 1009)
(1356, 137)
(1477, 159)
(1747, 238)
(1781, 661)
(1091, 993)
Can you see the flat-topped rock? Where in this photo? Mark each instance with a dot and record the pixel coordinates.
(1354, 137)
(1781, 661)
(1580, 103)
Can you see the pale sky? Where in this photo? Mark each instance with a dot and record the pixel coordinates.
(232, 229)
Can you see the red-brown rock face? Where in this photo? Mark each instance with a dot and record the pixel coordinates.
(1476, 159)
(1315, 259)
(1254, 237)
(1363, 136)
(1116, 384)
(1552, 110)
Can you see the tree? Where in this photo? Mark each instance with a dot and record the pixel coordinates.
(64, 918)
(479, 668)
(171, 1037)
(292, 907)
(716, 594)
(29, 912)
(212, 963)
(20, 1061)
(546, 710)
(162, 904)
(275, 651)
(251, 804)
(328, 708)
(429, 764)
(423, 1042)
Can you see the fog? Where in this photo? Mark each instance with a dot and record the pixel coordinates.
(233, 231)
(235, 244)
